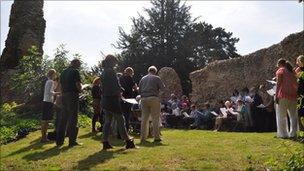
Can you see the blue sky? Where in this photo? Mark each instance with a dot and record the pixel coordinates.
(88, 27)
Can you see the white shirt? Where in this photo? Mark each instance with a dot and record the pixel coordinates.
(48, 95)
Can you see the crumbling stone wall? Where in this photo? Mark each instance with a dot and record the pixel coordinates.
(172, 82)
(27, 27)
(218, 80)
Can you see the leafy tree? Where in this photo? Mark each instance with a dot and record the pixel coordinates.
(168, 36)
(27, 80)
(60, 61)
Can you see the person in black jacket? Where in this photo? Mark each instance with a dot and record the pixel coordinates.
(111, 103)
(129, 87)
(258, 113)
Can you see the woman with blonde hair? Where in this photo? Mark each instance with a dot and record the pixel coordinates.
(96, 94)
(48, 102)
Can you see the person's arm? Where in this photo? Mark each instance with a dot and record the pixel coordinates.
(279, 78)
(78, 81)
(140, 87)
(161, 85)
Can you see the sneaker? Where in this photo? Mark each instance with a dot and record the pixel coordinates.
(106, 145)
(75, 144)
(130, 144)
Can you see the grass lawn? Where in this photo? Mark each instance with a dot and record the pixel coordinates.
(181, 149)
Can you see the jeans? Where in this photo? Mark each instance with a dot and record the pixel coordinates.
(108, 117)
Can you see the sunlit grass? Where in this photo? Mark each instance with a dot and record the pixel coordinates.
(181, 149)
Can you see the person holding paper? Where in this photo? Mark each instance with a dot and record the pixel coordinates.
(111, 103)
(224, 115)
(129, 87)
(286, 100)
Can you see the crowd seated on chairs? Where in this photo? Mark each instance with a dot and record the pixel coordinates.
(244, 111)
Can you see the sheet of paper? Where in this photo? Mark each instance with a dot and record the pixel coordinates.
(224, 112)
(271, 81)
(214, 113)
(271, 92)
(261, 106)
(233, 112)
(132, 101)
(84, 86)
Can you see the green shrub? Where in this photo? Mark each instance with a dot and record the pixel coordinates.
(7, 134)
(84, 121)
(13, 126)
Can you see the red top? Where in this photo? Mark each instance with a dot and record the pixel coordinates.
(289, 85)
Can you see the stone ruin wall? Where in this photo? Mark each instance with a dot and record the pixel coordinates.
(218, 80)
(171, 81)
(27, 28)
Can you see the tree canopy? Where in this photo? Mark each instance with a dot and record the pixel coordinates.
(169, 36)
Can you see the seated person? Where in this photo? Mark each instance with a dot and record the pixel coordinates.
(173, 102)
(224, 116)
(190, 119)
(203, 119)
(184, 103)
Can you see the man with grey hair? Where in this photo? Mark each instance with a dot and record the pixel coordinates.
(149, 87)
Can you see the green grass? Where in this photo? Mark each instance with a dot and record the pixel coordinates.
(181, 149)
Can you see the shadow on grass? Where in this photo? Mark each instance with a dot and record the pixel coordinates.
(152, 144)
(97, 158)
(43, 155)
(94, 136)
(34, 145)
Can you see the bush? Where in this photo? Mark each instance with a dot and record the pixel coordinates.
(14, 127)
(84, 121)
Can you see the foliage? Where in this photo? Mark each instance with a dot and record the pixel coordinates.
(60, 61)
(27, 80)
(168, 36)
(12, 126)
(294, 162)
(97, 69)
(84, 121)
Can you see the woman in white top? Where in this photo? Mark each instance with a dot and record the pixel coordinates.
(48, 102)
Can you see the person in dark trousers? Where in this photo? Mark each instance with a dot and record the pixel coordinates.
(71, 87)
(111, 103)
(258, 113)
(96, 94)
(129, 86)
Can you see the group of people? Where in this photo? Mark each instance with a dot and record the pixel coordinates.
(109, 91)
(245, 107)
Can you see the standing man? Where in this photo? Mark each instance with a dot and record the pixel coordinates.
(129, 86)
(71, 87)
(149, 87)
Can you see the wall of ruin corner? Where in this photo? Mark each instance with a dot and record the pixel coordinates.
(218, 80)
